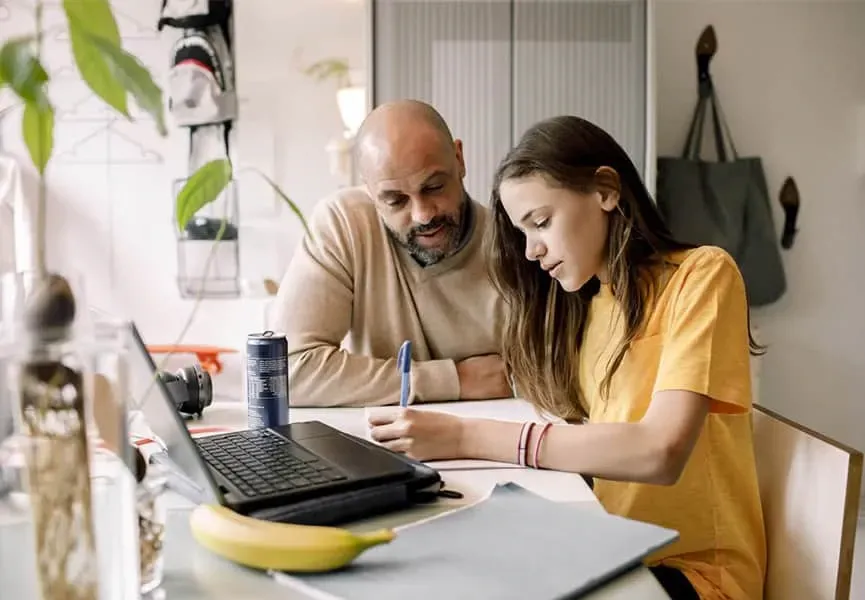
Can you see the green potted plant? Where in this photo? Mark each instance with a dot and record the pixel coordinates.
(50, 382)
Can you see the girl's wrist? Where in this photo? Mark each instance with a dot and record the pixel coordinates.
(488, 439)
(464, 436)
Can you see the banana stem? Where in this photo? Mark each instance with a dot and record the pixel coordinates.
(375, 538)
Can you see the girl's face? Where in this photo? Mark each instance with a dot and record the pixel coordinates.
(566, 231)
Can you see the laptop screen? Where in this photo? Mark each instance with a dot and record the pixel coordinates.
(190, 476)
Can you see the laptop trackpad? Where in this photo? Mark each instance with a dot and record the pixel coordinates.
(356, 460)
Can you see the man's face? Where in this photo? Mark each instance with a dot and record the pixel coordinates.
(420, 196)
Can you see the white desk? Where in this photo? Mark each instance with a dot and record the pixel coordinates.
(192, 573)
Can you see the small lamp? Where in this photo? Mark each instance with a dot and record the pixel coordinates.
(351, 101)
(352, 108)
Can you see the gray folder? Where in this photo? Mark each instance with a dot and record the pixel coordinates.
(515, 544)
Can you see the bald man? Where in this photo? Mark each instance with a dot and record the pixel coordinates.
(397, 258)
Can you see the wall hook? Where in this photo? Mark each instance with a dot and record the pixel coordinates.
(707, 46)
(789, 198)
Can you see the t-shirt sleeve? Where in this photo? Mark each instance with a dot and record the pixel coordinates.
(706, 347)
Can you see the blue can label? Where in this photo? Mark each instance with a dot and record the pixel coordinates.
(267, 380)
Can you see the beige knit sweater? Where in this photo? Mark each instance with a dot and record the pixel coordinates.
(350, 297)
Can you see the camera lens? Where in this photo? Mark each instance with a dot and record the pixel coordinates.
(199, 389)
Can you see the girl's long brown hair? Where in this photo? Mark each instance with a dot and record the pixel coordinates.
(544, 325)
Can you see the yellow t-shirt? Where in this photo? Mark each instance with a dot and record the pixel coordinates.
(695, 338)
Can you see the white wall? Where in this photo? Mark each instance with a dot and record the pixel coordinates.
(111, 203)
(792, 84)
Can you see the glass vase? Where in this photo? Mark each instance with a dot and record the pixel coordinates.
(152, 515)
(67, 501)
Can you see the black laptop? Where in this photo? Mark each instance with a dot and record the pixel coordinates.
(307, 472)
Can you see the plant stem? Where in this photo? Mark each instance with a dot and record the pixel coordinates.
(38, 17)
(136, 403)
(42, 201)
(41, 221)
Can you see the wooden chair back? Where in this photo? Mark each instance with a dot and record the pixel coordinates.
(810, 488)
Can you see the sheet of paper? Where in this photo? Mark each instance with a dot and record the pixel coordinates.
(506, 410)
(511, 546)
(469, 465)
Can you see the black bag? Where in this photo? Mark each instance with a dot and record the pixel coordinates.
(723, 203)
(194, 14)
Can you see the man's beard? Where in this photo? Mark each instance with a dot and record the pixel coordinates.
(452, 230)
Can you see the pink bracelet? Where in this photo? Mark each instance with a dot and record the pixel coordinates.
(541, 435)
(522, 442)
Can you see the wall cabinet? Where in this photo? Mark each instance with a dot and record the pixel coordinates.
(494, 67)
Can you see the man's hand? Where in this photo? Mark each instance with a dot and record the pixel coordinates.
(483, 378)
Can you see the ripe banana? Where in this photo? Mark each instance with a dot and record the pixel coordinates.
(279, 546)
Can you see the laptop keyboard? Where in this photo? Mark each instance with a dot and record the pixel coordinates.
(261, 463)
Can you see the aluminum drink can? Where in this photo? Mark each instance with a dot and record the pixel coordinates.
(266, 380)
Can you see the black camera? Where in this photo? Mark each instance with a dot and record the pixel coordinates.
(190, 388)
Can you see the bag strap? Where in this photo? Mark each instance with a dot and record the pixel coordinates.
(695, 130)
(721, 128)
(694, 140)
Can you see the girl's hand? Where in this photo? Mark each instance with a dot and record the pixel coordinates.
(420, 434)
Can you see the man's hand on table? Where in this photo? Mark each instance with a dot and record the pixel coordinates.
(483, 378)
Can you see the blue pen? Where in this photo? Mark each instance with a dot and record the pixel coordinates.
(404, 365)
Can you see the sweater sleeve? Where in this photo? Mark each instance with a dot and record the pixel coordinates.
(314, 309)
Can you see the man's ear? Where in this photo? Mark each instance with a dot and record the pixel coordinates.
(458, 146)
(609, 187)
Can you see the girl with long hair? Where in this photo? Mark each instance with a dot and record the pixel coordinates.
(637, 344)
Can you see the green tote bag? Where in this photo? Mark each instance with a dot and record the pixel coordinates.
(723, 203)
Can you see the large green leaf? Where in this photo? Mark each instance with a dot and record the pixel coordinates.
(135, 78)
(21, 70)
(294, 208)
(89, 20)
(202, 188)
(93, 16)
(37, 128)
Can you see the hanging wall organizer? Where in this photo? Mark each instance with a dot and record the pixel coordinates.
(202, 99)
